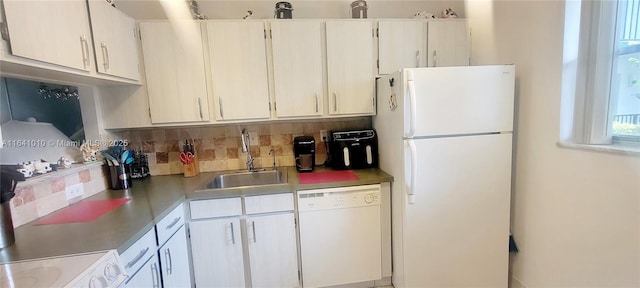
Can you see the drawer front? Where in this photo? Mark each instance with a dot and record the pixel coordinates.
(269, 203)
(170, 224)
(134, 257)
(215, 208)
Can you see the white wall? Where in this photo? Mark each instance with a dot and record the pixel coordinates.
(576, 213)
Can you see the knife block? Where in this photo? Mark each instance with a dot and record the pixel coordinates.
(192, 169)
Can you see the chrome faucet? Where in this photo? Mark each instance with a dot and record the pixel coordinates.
(273, 153)
(246, 148)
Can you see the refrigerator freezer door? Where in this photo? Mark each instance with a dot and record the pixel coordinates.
(456, 232)
(458, 100)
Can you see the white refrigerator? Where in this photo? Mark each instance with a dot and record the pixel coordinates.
(445, 134)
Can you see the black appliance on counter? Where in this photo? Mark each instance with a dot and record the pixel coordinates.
(304, 149)
(355, 149)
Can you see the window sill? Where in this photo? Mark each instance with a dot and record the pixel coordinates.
(622, 149)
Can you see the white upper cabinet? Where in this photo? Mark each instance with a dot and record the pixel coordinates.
(448, 43)
(175, 71)
(297, 68)
(114, 40)
(350, 67)
(401, 44)
(55, 32)
(238, 63)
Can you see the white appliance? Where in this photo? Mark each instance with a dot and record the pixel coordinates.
(101, 269)
(445, 134)
(340, 235)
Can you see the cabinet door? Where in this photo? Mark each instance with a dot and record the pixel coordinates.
(297, 68)
(55, 32)
(273, 256)
(238, 58)
(114, 40)
(447, 43)
(174, 70)
(147, 276)
(350, 73)
(174, 256)
(216, 247)
(401, 44)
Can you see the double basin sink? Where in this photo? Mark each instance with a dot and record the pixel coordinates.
(247, 178)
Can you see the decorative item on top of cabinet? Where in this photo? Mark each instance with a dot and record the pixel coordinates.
(175, 71)
(297, 68)
(350, 67)
(114, 40)
(238, 63)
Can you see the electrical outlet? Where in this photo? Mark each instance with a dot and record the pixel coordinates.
(253, 137)
(323, 136)
(74, 191)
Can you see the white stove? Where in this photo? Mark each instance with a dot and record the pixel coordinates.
(101, 269)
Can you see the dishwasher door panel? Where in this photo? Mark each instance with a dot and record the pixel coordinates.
(340, 246)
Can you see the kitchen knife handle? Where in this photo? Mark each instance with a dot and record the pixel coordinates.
(200, 107)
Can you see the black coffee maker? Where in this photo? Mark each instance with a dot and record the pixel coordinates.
(304, 149)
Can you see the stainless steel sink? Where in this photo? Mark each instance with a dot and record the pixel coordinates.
(245, 178)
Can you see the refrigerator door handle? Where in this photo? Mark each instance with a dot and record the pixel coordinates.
(410, 176)
(410, 104)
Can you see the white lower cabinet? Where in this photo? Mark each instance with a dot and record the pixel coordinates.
(174, 256)
(216, 247)
(272, 250)
(147, 276)
(256, 248)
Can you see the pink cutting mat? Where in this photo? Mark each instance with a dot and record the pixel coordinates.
(85, 211)
(327, 176)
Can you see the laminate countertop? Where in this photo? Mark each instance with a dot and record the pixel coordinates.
(151, 199)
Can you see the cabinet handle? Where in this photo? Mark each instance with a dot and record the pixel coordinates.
(233, 236)
(200, 107)
(220, 108)
(175, 221)
(85, 51)
(335, 102)
(156, 277)
(253, 227)
(167, 256)
(105, 55)
(417, 58)
(138, 257)
(316, 102)
(435, 58)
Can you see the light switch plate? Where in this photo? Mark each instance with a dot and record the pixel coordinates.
(253, 137)
(74, 191)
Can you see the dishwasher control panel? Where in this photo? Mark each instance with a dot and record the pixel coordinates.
(338, 198)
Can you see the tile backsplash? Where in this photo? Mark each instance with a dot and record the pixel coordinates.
(218, 148)
(37, 198)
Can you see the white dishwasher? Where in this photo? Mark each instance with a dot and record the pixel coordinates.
(340, 235)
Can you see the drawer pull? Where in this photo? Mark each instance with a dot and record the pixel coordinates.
(175, 221)
(138, 257)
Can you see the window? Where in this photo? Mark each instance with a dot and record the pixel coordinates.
(601, 76)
